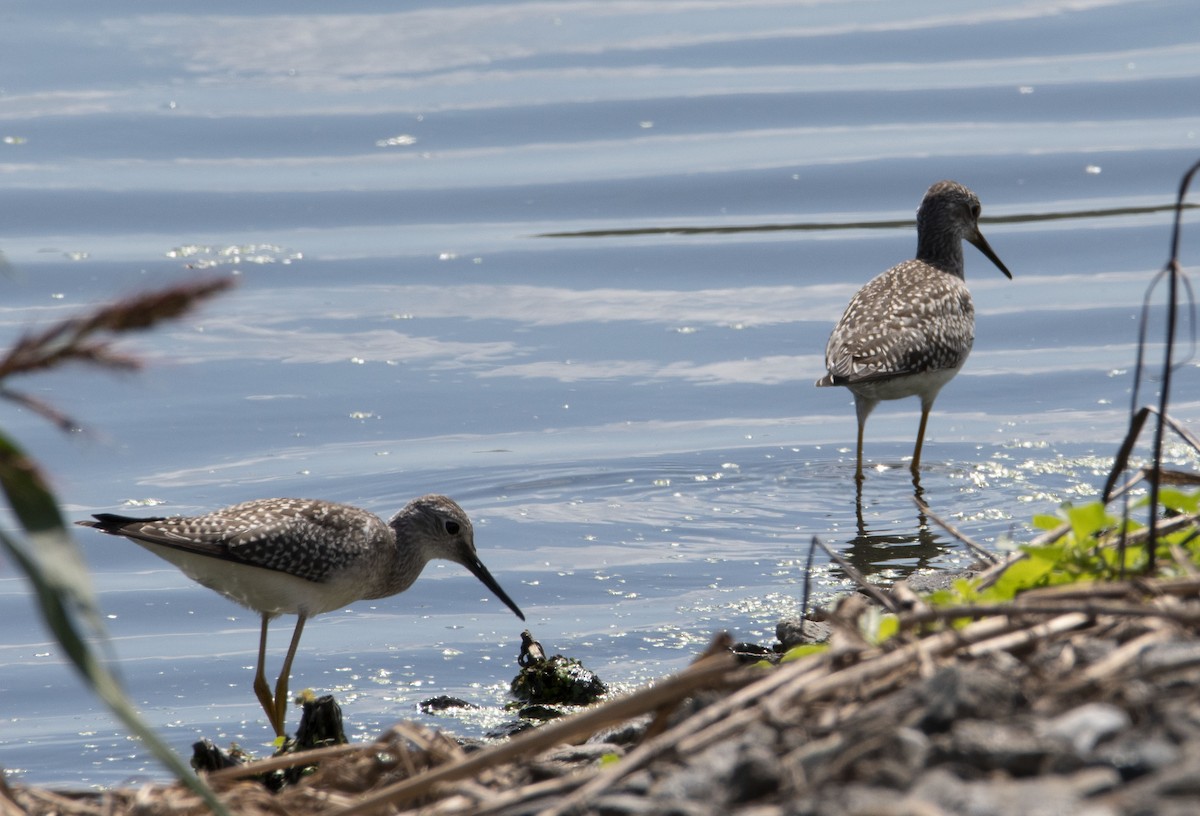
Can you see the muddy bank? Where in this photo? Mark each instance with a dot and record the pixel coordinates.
(1076, 700)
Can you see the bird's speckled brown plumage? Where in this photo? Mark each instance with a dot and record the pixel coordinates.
(909, 330)
(305, 557)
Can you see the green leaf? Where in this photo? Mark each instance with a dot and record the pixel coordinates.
(1175, 499)
(49, 558)
(1025, 573)
(889, 625)
(943, 597)
(803, 650)
(965, 588)
(1045, 522)
(1088, 521)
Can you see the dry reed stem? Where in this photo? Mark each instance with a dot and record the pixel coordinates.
(978, 549)
(1120, 657)
(279, 763)
(1024, 637)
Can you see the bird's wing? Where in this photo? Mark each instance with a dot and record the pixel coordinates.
(876, 339)
(308, 539)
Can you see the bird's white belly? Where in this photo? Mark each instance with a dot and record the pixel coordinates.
(892, 388)
(267, 591)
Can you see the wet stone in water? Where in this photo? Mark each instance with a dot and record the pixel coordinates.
(206, 756)
(444, 703)
(553, 680)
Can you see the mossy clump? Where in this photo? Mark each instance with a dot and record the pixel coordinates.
(558, 680)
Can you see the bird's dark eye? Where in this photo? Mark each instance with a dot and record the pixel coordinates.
(975, 210)
(452, 527)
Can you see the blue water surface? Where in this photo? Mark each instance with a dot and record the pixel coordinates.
(573, 264)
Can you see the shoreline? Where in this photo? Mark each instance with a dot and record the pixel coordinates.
(1077, 699)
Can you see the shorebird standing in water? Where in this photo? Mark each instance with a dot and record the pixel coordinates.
(908, 331)
(303, 557)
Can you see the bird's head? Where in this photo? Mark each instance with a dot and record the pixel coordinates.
(950, 212)
(444, 531)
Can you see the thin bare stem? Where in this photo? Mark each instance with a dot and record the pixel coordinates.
(89, 339)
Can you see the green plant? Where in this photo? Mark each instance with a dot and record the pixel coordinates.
(1088, 547)
(42, 547)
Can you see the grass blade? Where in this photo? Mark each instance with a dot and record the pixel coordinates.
(47, 555)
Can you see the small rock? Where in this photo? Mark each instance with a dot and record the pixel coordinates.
(1182, 779)
(1086, 725)
(579, 754)
(1169, 656)
(1134, 755)
(444, 703)
(623, 804)
(703, 779)
(856, 798)
(558, 679)
(638, 783)
(510, 729)
(793, 632)
(624, 734)
(756, 774)
(997, 746)
(961, 692)
(900, 759)
(751, 653)
(207, 757)
(811, 757)
(540, 713)
(935, 579)
(999, 796)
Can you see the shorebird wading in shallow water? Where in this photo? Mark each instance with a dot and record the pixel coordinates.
(303, 557)
(908, 331)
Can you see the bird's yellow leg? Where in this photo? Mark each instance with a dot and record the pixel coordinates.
(261, 689)
(281, 685)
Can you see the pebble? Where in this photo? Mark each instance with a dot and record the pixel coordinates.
(1083, 727)
(992, 746)
(1000, 796)
(960, 692)
(792, 632)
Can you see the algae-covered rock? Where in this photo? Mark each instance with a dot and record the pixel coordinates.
(558, 679)
(553, 680)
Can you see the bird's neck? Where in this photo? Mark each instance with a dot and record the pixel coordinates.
(945, 254)
(398, 572)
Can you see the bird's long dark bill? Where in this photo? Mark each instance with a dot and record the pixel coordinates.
(981, 244)
(481, 572)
